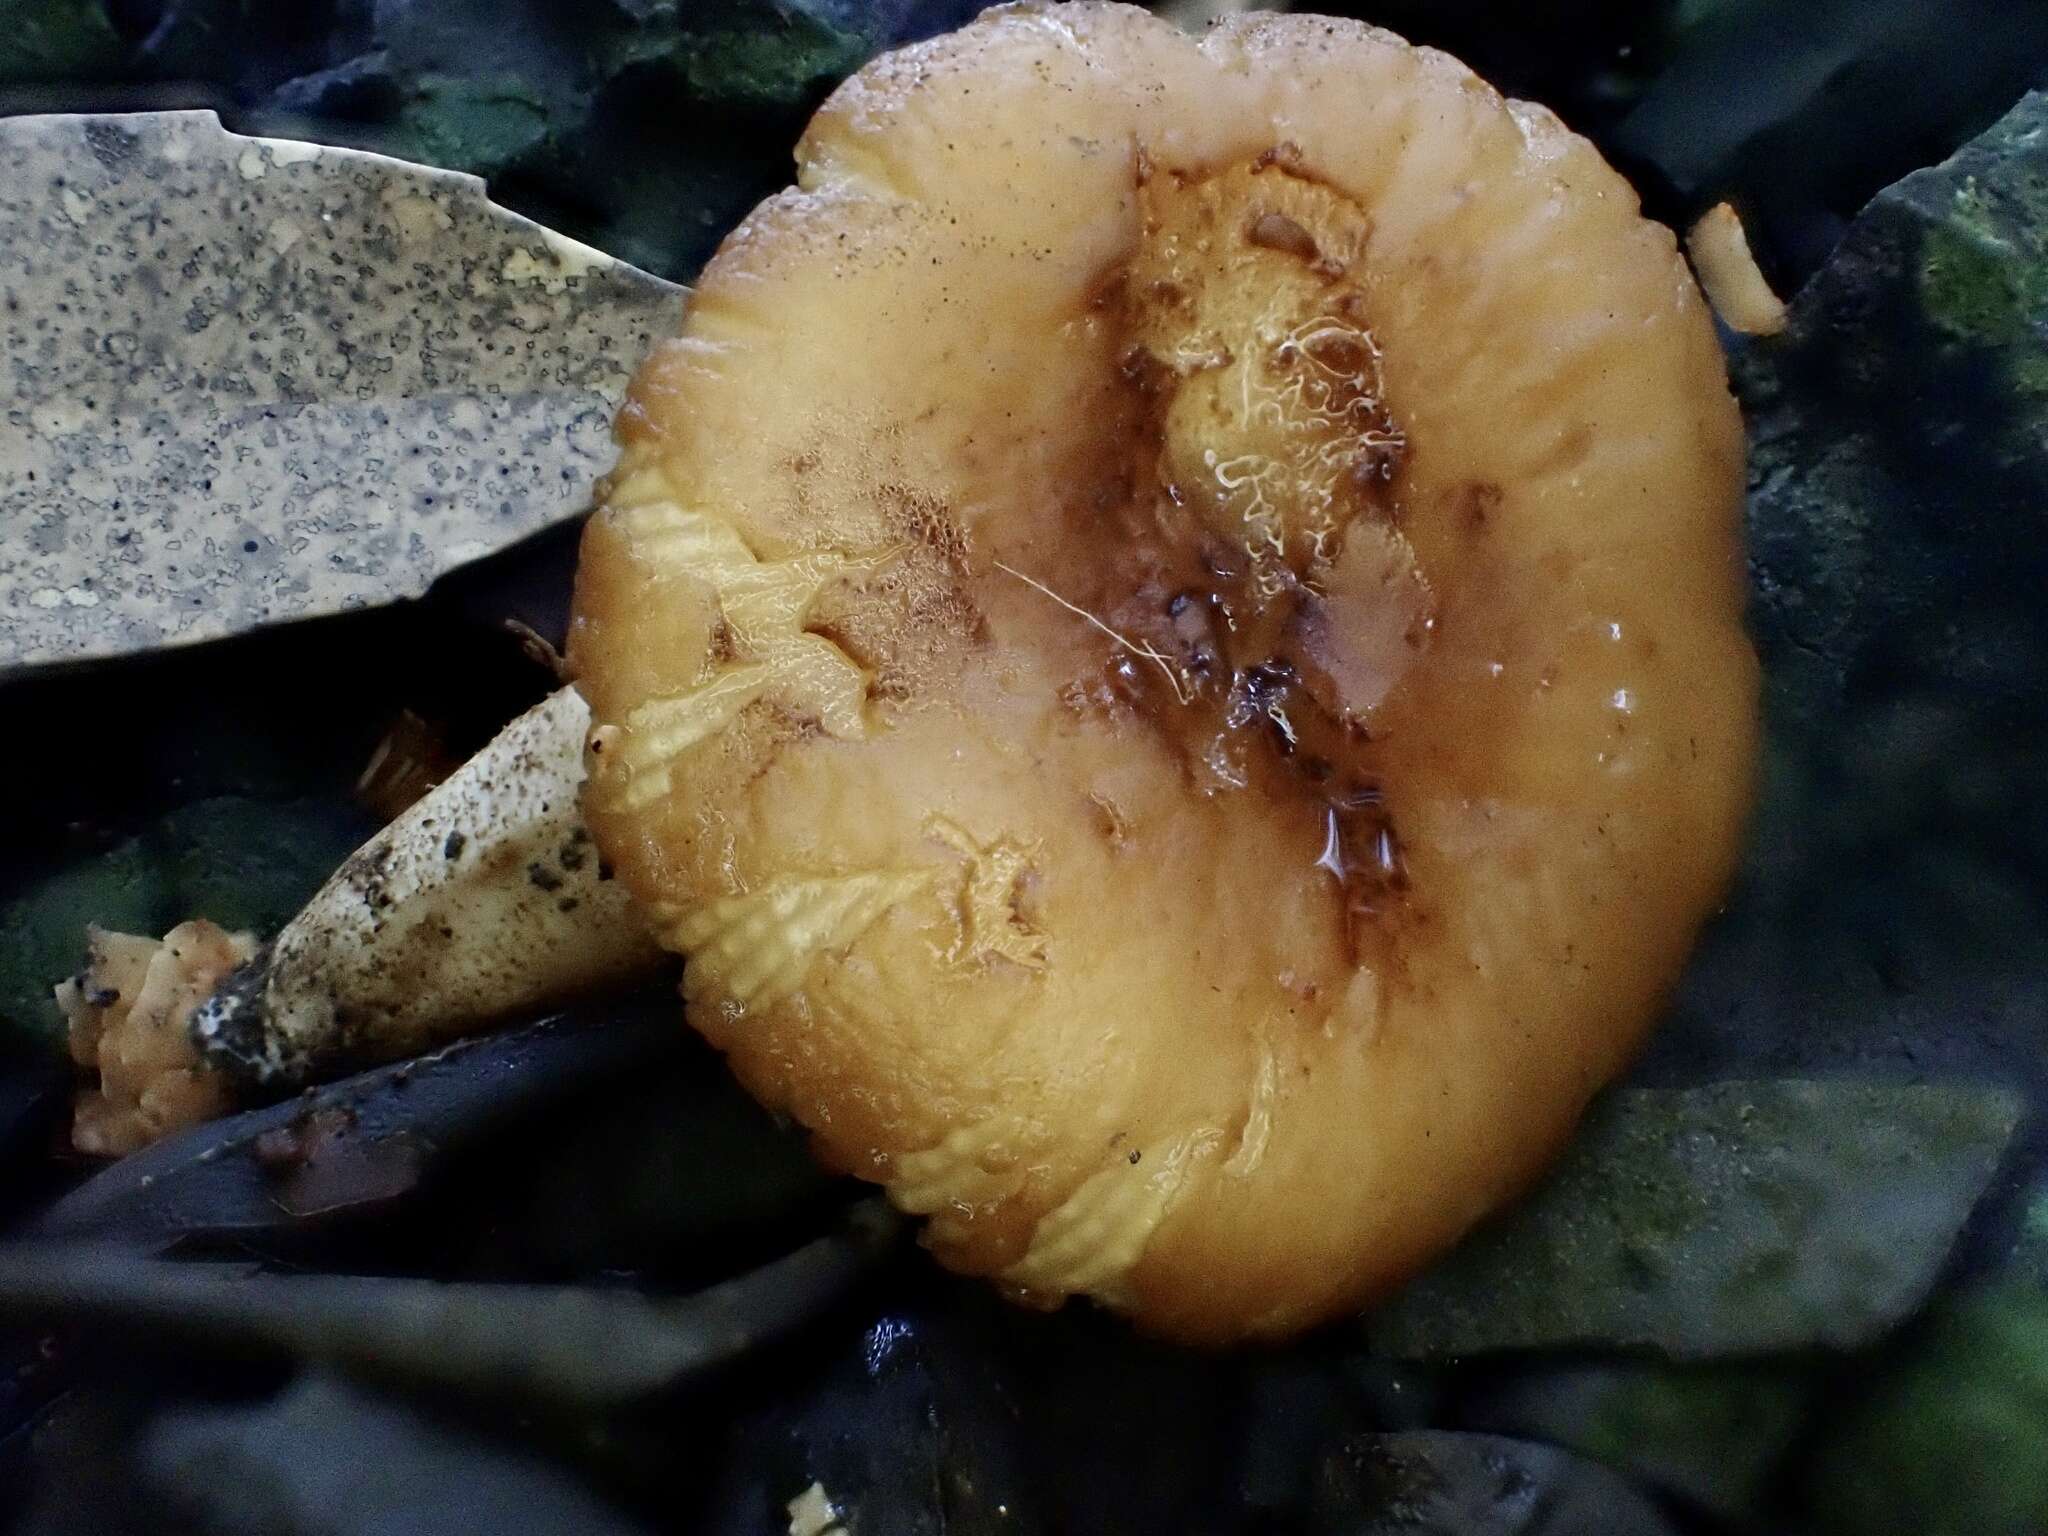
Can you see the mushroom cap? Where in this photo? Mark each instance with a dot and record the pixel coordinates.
(1167, 642)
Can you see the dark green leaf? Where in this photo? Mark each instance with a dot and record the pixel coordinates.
(1952, 1440)
(483, 126)
(786, 66)
(558, 1346)
(758, 57)
(1432, 1483)
(325, 1459)
(1740, 1218)
(251, 864)
(1713, 1432)
(56, 40)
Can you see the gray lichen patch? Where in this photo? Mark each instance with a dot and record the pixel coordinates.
(249, 380)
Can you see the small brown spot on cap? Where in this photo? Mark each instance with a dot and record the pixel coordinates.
(1277, 232)
(1479, 501)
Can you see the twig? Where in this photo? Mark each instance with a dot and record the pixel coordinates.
(1149, 651)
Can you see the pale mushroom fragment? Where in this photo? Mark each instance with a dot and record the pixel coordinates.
(1167, 643)
(1735, 284)
(127, 1014)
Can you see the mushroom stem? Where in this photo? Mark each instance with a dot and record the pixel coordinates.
(483, 901)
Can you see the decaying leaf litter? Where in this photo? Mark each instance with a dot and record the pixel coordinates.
(1869, 994)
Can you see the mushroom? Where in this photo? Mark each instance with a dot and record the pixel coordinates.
(1727, 269)
(1167, 643)
(126, 1016)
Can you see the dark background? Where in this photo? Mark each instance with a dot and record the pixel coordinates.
(647, 127)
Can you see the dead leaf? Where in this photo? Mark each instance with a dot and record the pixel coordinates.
(259, 380)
